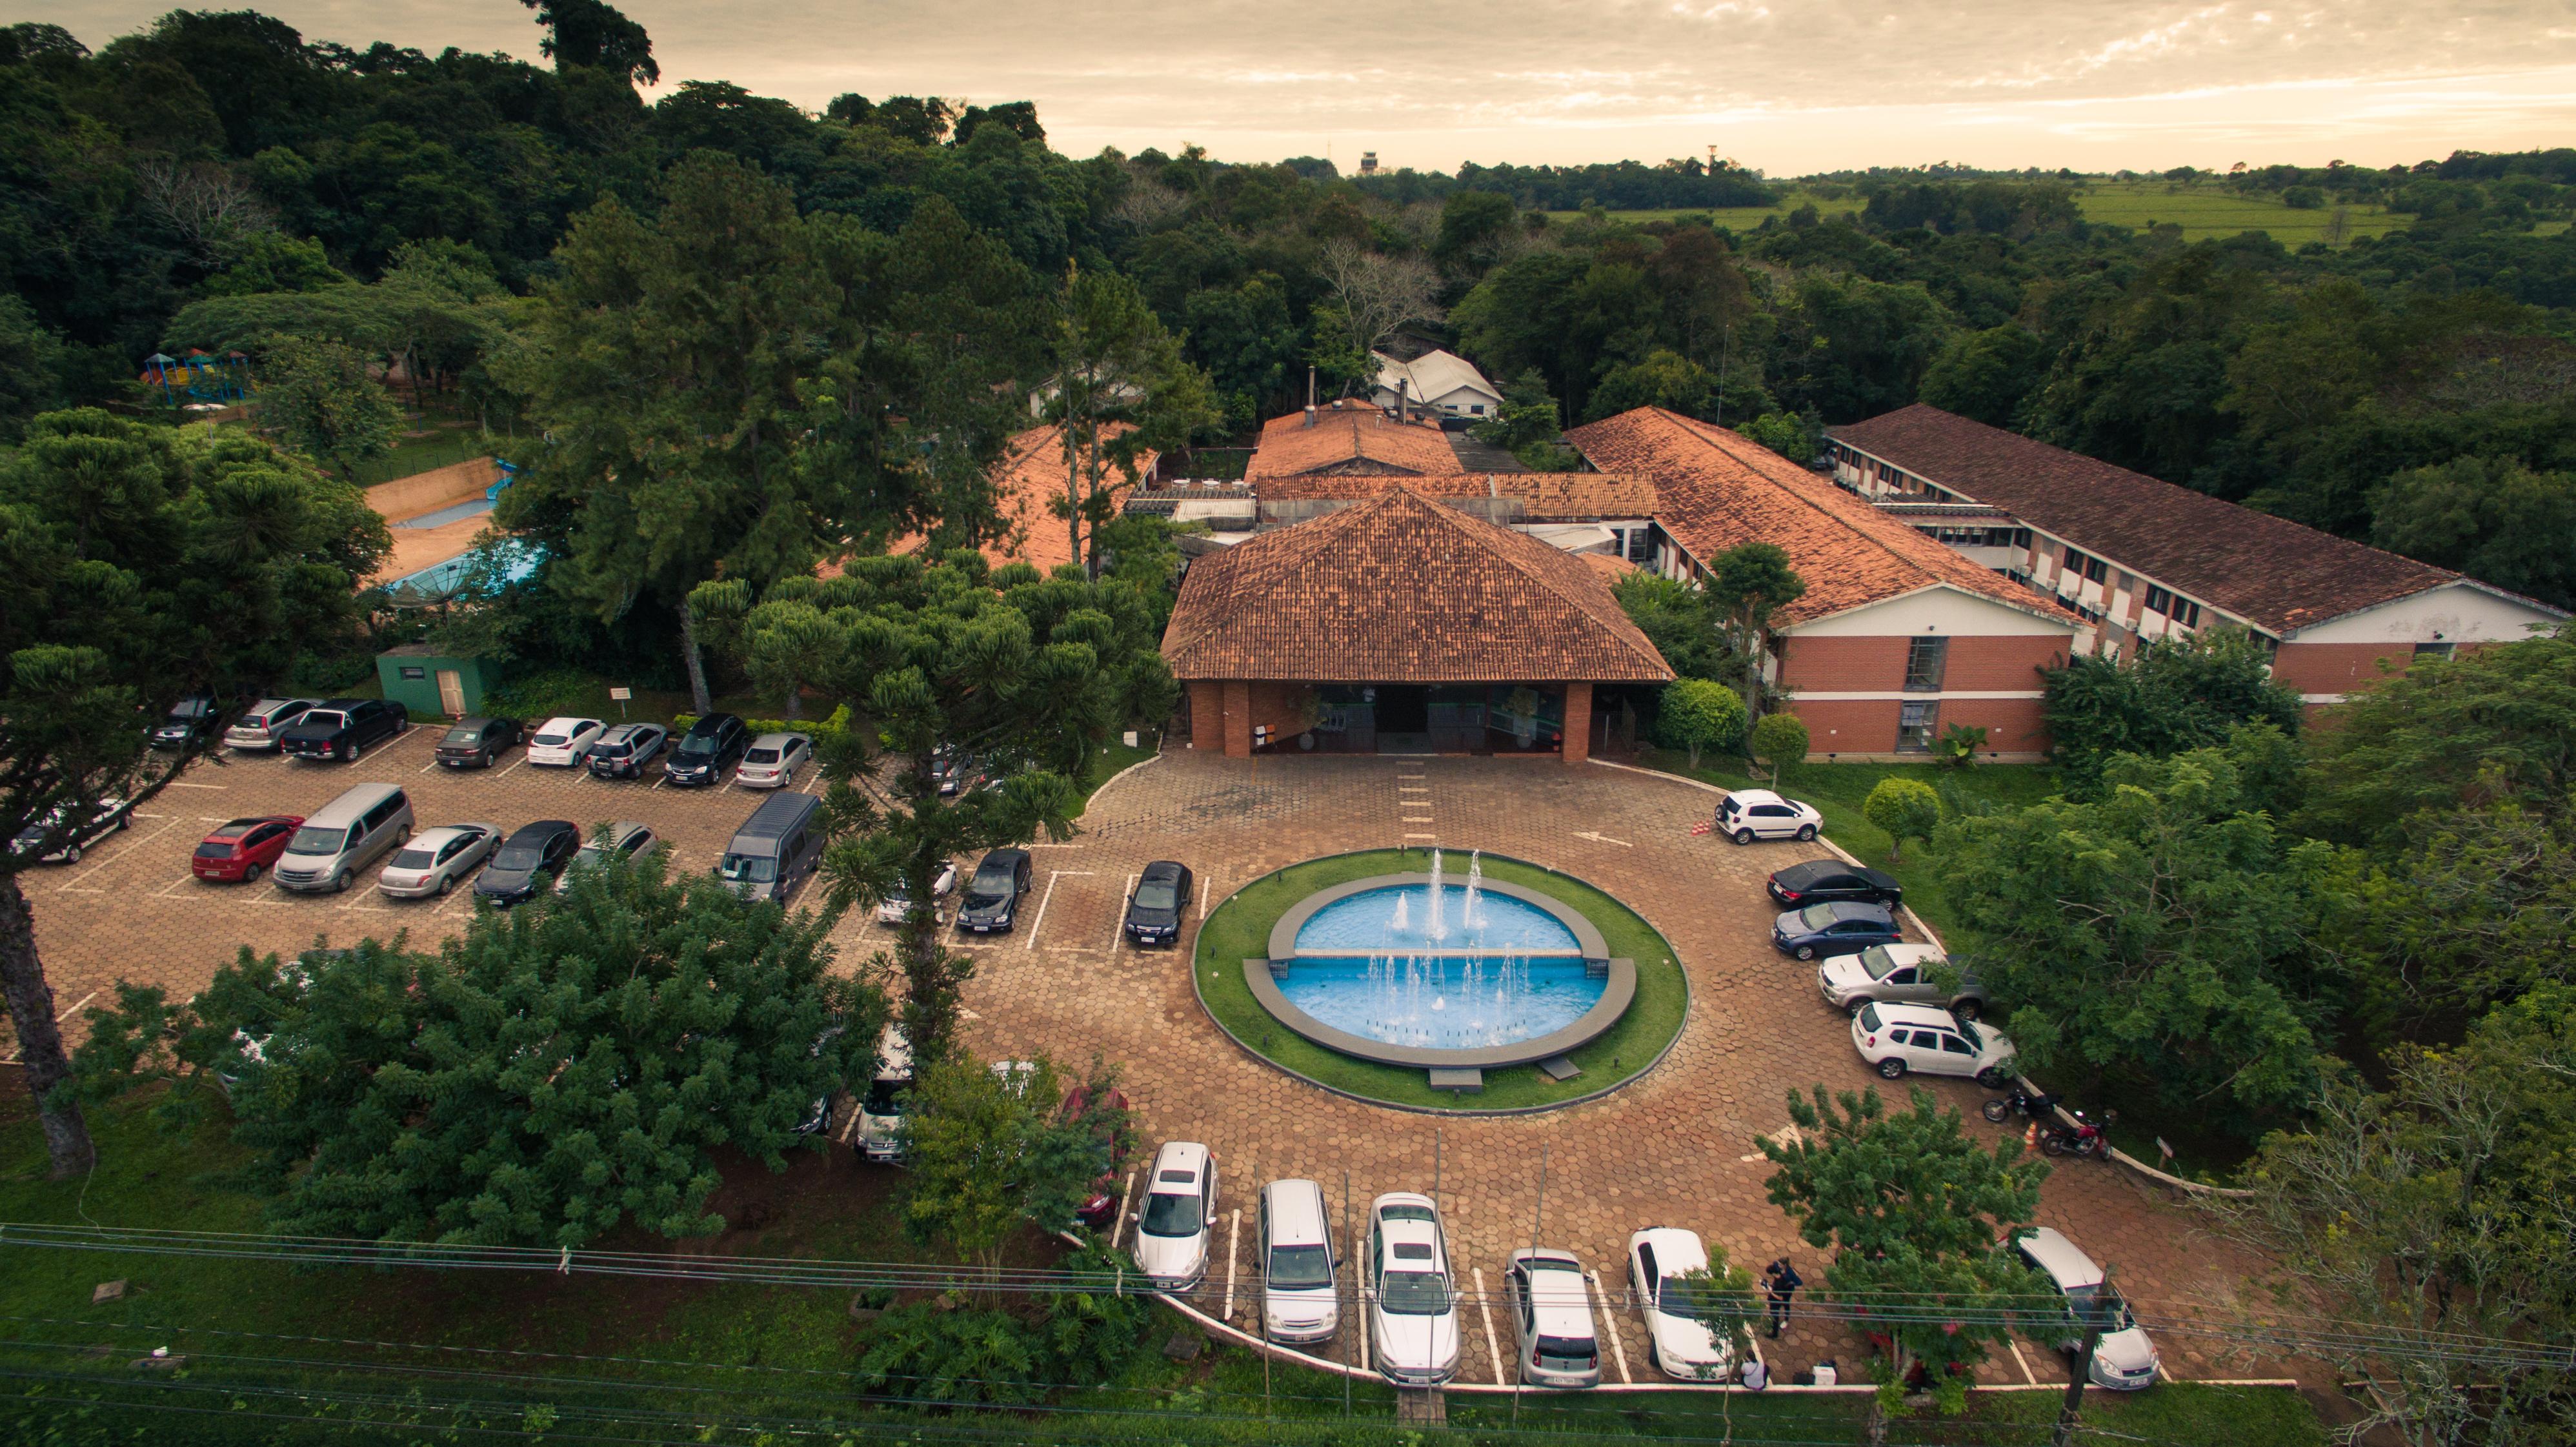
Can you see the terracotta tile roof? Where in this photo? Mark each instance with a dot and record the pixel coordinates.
(2277, 574)
(1543, 496)
(1400, 589)
(1351, 437)
(1026, 483)
(1718, 489)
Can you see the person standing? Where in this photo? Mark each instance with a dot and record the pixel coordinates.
(1780, 1281)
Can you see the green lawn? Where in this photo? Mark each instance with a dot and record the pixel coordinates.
(442, 446)
(1240, 930)
(2202, 212)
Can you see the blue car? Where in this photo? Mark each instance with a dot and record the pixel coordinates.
(1845, 927)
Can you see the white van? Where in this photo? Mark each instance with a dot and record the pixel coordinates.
(881, 1114)
(343, 837)
(1297, 1263)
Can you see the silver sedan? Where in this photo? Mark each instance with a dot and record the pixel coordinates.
(437, 859)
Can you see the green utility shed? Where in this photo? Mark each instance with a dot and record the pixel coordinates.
(432, 684)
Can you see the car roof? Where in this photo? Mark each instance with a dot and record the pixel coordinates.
(247, 823)
(624, 731)
(1541, 1258)
(625, 829)
(710, 722)
(543, 828)
(1160, 869)
(1750, 797)
(1676, 1250)
(444, 832)
(1297, 1216)
(1812, 869)
(1005, 855)
(1857, 909)
(569, 721)
(1188, 1156)
(2067, 1265)
(776, 741)
(1917, 1015)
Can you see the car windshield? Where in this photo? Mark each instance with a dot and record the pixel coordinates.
(309, 840)
(1878, 962)
(1681, 1296)
(1170, 1215)
(193, 708)
(1158, 894)
(415, 859)
(747, 868)
(590, 854)
(1296, 1267)
(885, 1095)
(517, 856)
(1969, 1033)
(1414, 1293)
(463, 737)
(991, 885)
(761, 756)
(1816, 916)
(698, 744)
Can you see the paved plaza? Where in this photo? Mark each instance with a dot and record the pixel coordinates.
(1675, 1148)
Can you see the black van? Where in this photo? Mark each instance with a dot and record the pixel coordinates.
(775, 848)
(712, 745)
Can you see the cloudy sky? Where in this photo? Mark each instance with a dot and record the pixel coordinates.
(1789, 86)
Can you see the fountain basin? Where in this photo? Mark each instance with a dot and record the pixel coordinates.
(1496, 975)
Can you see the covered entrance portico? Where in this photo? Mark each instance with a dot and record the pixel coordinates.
(1433, 718)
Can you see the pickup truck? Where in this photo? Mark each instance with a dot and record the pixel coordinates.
(343, 728)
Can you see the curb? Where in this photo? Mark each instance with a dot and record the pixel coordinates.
(1689, 998)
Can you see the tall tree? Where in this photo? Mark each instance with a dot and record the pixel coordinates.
(990, 1149)
(1747, 584)
(1018, 675)
(136, 566)
(666, 357)
(1121, 387)
(2166, 697)
(592, 35)
(1913, 1211)
(319, 395)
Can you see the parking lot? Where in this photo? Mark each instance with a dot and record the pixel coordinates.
(1676, 1148)
(130, 908)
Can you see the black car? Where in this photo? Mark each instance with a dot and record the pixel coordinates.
(1842, 927)
(712, 745)
(343, 728)
(625, 749)
(190, 719)
(1162, 897)
(535, 854)
(1822, 881)
(477, 742)
(59, 836)
(993, 895)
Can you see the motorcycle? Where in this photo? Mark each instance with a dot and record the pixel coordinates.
(2020, 1100)
(2082, 1139)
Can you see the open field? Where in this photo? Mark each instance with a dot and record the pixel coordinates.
(2201, 212)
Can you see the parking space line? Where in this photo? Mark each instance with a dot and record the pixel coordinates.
(76, 1004)
(1485, 1307)
(1039, 923)
(523, 758)
(175, 784)
(1204, 896)
(1610, 1323)
(1118, 926)
(2026, 1373)
(73, 885)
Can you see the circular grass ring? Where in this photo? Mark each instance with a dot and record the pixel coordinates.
(1239, 929)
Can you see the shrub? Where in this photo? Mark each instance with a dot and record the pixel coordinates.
(1780, 741)
(1905, 808)
(1697, 714)
(1957, 747)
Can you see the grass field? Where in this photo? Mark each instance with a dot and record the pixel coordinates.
(2201, 212)
(1240, 930)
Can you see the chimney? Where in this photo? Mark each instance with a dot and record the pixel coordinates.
(1403, 385)
(1310, 387)
(1310, 414)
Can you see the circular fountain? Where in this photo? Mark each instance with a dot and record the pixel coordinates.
(1451, 977)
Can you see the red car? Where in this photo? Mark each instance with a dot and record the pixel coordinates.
(242, 850)
(1100, 1208)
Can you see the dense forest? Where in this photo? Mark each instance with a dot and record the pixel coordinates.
(215, 181)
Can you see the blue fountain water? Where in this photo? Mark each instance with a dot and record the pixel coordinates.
(1500, 972)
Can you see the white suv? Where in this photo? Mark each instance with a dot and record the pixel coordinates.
(1895, 1039)
(562, 743)
(1749, 814)
(2123, 1359)
(1180, 1211)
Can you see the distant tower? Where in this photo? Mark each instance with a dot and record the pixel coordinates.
(1368, 163)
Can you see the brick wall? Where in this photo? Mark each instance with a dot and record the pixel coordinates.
(1224, 713)
(1843, 665)
(1207, 715)
(2337, 667)
(2000, 665)
(1578, 722)
(2012, 725)
(1848, 727)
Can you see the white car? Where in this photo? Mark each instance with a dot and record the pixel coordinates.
(63, 832)
(1293, 1242)
(1179, 1214)
(259, 727)
(1552, 1319)
(772, 761)
(562, 743)
(1413, 1305)
(1897, 974)
(896, 904)
(1678, 1343)
(881, 1113)
(1749, 814)
(626, 840)
(436, 859)
(1895, 1039)
(2123, 1359)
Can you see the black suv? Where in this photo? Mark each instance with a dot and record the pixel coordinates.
(475, 743)
(342, 728)
(711, 746)
(527, 860)
(190, 719)
(1162, 896)
(1830, 881)
(993, 895)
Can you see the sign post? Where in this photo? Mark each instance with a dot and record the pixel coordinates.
(621, 695)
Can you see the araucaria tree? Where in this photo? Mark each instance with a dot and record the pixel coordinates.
(1016, 675)
(1746, 585)
(138, 564)
(1120, 388)
(1920, 1220)
(562, 1070)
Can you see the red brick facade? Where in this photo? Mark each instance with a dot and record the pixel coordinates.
(2305, 668)
(2010, 664)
